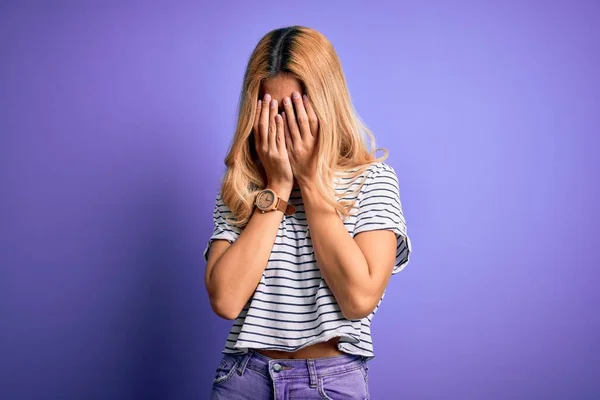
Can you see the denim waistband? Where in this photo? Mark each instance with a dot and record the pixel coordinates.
(295, 368)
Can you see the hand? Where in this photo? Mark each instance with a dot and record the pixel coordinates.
(301, 128)
(270, 145)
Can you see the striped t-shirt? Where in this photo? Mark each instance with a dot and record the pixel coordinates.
(292, 306)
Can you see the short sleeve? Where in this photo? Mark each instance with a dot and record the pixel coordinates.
(380, 208)
(222, 228)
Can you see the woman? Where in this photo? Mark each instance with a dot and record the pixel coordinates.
(308, 229)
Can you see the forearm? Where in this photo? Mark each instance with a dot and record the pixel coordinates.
(339, 258)
(237, 272)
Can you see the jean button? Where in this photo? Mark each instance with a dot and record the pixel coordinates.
(276, 367)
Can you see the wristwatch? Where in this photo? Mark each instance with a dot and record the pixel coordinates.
(267, 200)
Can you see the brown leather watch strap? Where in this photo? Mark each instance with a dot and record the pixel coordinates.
(284, 207)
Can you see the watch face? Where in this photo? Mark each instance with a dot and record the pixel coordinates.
(265, 199)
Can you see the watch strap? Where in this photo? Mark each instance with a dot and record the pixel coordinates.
(285, 207)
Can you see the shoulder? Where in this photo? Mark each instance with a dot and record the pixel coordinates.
(380, 181)
(381, 168)
(365, 179)
(220, 207)
(380, 171)
(219, 199)
(371, 170)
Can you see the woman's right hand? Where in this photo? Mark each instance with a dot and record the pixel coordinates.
(270, 145)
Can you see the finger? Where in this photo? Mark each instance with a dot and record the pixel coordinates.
(301, 115)
(255, 131)
(286, 132)
(291, 119)
(272, 125)
(279, 138)
(263, 124)
(313, 121)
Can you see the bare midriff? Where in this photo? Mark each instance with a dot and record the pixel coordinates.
(318, 350)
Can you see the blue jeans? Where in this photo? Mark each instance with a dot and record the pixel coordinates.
(258, 377)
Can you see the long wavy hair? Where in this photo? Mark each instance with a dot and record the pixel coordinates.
(346, 146)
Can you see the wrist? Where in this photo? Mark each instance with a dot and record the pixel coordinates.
(282, 190)
(306, 184)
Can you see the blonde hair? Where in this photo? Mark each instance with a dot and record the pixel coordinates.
(307, 55)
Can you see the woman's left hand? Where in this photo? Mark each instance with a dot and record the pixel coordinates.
(301, 128)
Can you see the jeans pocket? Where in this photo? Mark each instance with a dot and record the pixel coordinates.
(226, 369)
(347, 385)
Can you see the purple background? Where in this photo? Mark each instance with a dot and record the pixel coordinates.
(115, 119)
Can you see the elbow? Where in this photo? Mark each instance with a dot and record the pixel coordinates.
(357, 308)
(221, 303)
(226, 315)
(224, 309)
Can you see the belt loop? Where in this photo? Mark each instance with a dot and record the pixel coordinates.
(312, 371)
(242, 365)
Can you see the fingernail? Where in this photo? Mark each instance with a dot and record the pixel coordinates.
(286, 101)
(273, 103)
(259, 103)
(296, 95)
(305, 97)
(267, 97)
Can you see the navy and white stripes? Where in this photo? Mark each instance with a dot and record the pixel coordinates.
(292, 306)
